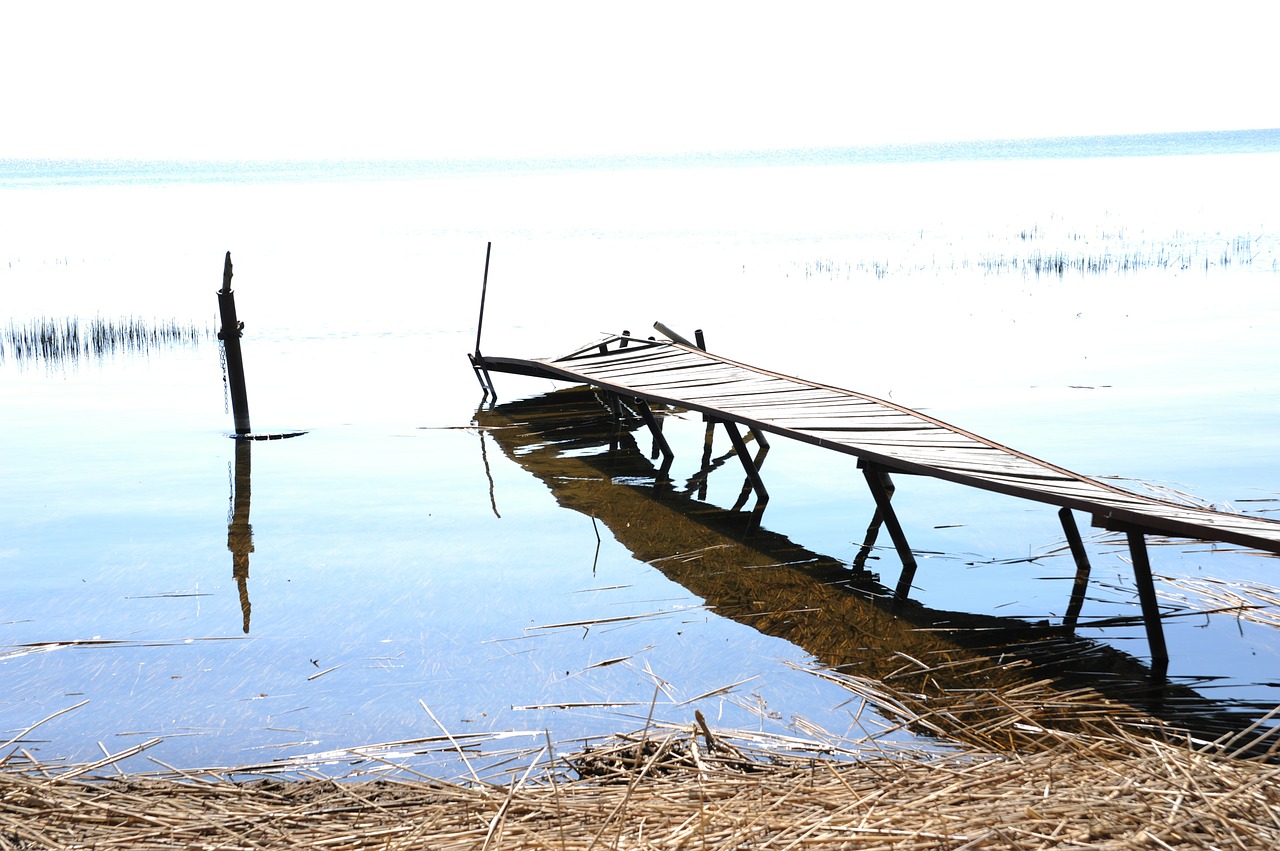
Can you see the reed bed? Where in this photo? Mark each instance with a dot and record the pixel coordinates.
(68, 340)
(686, 786)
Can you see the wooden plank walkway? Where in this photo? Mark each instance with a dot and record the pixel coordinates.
(886, 438)
(883, 433)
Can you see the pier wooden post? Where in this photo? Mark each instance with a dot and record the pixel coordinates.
(230, 337)
(1082, 567)
(1150, 605)
(660, 444)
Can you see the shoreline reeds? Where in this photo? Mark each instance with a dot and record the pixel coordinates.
(685, 785)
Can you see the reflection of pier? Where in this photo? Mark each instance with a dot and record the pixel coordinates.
(239, 532)
(885, 438)
(844, 617)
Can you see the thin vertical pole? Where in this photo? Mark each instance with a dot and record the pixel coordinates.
(484, 288)
(230, 337)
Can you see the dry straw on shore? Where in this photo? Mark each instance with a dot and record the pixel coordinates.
(1108, 786)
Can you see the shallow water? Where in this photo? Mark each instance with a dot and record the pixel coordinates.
(402, 558)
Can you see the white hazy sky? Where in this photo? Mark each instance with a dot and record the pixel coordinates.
(458, 79)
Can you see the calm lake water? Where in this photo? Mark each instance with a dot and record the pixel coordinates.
(421, 563)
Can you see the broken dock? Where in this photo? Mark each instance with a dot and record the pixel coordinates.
(886, 438)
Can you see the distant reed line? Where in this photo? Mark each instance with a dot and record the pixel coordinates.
(1203, 255)
(68, 340)
(1111, 253)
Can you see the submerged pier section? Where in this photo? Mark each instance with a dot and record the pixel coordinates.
(886, 438)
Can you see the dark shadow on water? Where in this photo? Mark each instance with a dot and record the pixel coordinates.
(841, 614)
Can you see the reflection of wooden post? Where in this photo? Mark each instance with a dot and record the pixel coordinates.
(230, 337)
(239, 532)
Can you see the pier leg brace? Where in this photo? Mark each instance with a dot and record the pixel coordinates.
(873, 531)
(881, 488)
(753, 472)
(486, 382)
(655, 428)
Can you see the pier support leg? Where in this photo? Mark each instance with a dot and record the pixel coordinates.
(655, 428)
(881, 487)
(1150, 606)
(486, 382)
(1082, 568)
(753, 471)
(873, 531)
(758, 463)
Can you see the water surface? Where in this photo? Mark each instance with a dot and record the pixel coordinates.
(1111, 314)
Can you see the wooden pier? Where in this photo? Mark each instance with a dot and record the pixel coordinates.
(886, 438)
(834, 609)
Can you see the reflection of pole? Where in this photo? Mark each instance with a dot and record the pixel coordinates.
(230, 337)
(239, 532)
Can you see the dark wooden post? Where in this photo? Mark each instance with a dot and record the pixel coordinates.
(1150, 605)
(660, 444)
(1081, 557)
(230, 337)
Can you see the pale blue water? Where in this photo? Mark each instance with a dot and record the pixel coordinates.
(382, 578)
